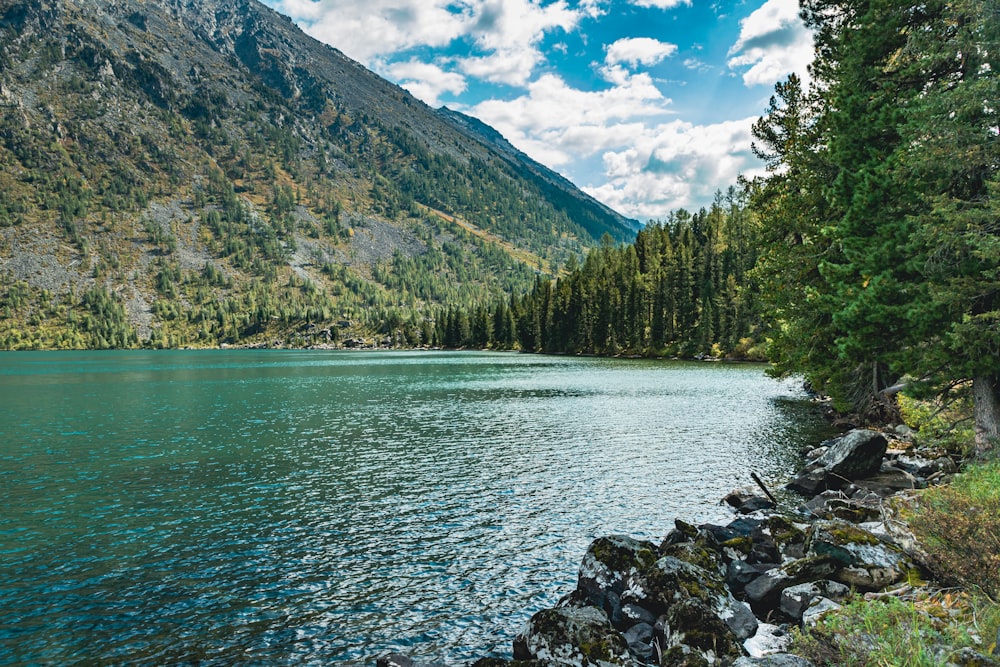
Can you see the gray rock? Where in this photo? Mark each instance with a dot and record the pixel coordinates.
(764, 592)
(740, 573)
(755, 504)
(967, 657)
(633, 613)
(394, 660)
(671, 581)
(856, 455)
(607, 567)
(640, 641)
(796, 599)
(694, 625)
(869, 564)
(816, 610)
(775, 660)
(925, 467)
(400, 660)
(572, 637)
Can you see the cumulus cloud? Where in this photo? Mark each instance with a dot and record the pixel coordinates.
(504, 34)
(509, 32)
(773, 42)
(652, 164)
(661, 4)
(556, 123)
(367, 30)
(637, 51)
(675, 165)
(427, 81)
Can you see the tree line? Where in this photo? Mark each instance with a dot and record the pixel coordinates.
(683, 287)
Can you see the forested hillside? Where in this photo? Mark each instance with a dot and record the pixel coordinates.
(176, 173)
(684, 287)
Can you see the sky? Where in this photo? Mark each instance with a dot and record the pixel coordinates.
(646, 105)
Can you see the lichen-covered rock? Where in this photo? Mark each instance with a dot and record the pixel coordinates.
(670, 581)
(572, 637)
(707, 557)
(693, 624)
(776, 660)
(868, 563)
(607, 567)
(816, 610)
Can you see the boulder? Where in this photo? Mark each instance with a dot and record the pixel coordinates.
(607, 567)
(693, 624)
(856, 455)
(769, 639)
(755, 504)
(867, 563)
(775, 660)
(633, 614)
(795, 600)
(670, 581)
(400, 660)
(639, 639)
(764, 592)
(740, 573)
(922, 466)
(572, 637)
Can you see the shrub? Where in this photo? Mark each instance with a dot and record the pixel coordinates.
(959, 527)
(941, 422)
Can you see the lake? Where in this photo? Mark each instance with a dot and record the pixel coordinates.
(286, 507)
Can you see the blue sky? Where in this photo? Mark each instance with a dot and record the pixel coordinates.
(645, 104)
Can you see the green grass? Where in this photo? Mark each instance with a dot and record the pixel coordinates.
(959, 527)
(924, 630)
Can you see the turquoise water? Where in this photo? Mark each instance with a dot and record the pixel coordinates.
(279, 507)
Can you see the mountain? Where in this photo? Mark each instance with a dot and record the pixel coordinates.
(196, 173)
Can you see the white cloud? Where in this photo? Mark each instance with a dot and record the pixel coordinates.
(661, 4)
(509, 32)
(505, 34)
(652, 165)
(427, 81)
(773, 42)
(639, 51)
(366, 30)
(556, 124)
(675, 165)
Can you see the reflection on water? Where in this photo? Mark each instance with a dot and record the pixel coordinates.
(308, 507)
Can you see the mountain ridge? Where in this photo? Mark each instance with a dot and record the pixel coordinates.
(147, 145)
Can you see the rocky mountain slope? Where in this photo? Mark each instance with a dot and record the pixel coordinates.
(177, 173)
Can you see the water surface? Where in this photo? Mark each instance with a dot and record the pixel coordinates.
(278, 507)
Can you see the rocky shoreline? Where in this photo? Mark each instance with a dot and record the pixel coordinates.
(729, 595)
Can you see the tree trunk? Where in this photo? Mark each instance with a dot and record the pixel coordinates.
(986, 394)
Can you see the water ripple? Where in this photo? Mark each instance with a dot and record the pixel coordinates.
(308, 508)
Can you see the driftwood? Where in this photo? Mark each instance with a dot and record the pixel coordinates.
(763, 488)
